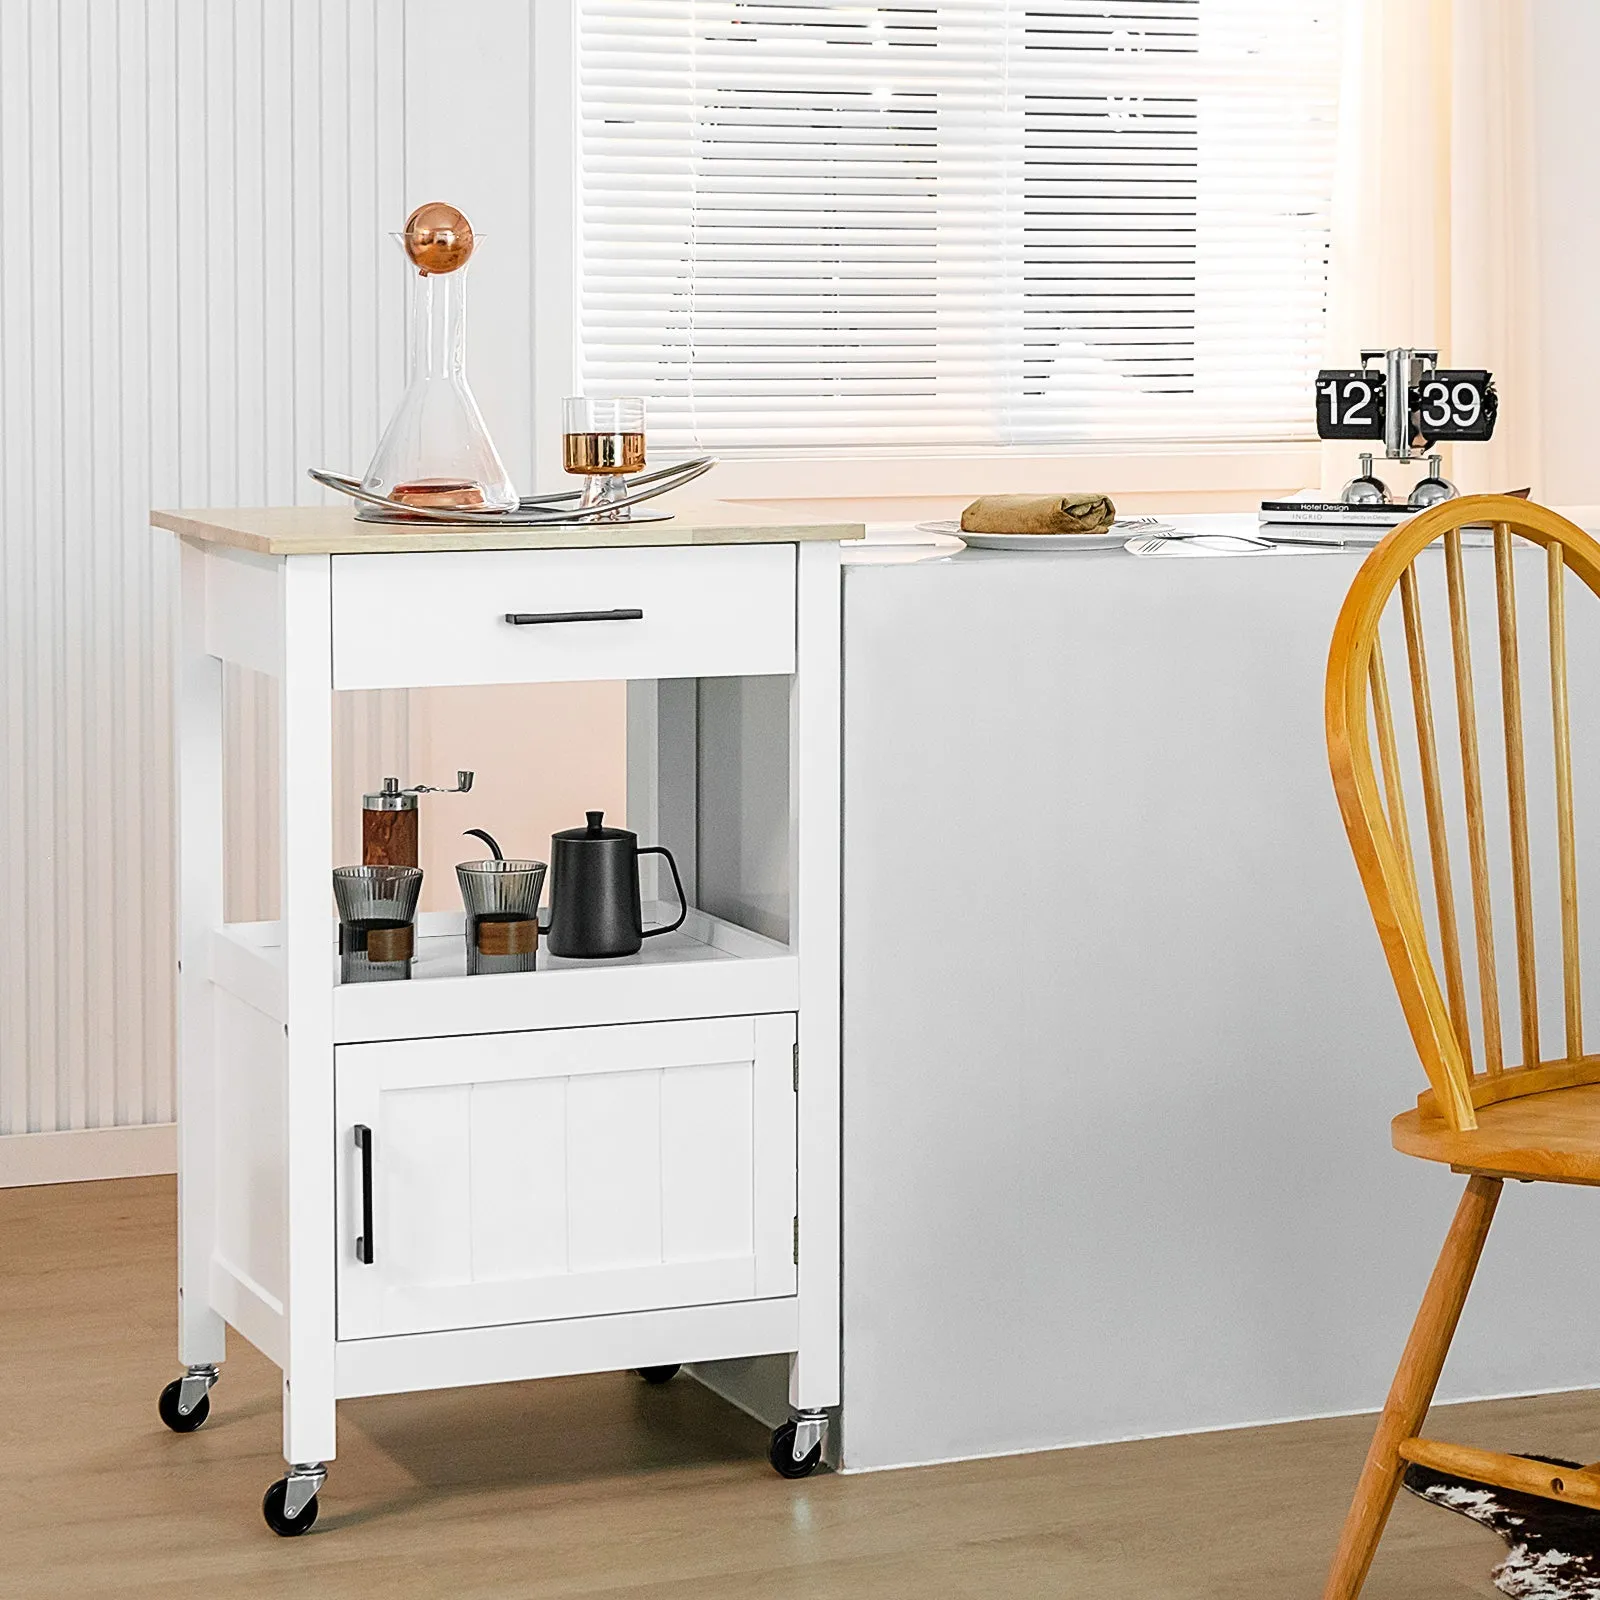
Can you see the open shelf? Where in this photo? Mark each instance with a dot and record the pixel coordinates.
(708, 968)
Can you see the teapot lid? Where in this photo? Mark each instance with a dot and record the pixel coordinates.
(595, 830)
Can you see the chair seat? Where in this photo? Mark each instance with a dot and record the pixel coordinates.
(1554, 1136)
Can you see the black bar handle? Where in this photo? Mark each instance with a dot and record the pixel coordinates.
(529, 619)
(364, 1238)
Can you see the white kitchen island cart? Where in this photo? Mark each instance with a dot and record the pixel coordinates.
(597, 1165)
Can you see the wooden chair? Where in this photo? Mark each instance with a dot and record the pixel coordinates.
(1481, 1115)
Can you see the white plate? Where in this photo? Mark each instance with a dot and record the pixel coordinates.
(1111, 539)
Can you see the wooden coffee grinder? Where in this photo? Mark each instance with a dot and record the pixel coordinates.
(389, 821)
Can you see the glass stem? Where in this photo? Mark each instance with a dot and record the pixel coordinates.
(605, 489)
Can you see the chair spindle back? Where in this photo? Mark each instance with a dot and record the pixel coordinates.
(1373, 802)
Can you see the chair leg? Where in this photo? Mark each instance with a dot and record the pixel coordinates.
(1412, 1391)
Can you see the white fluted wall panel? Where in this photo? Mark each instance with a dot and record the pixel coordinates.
(196, 305)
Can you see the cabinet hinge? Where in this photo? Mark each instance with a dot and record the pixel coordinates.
(797, 1068)
(797, 1241)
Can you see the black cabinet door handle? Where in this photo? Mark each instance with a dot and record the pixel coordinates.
(364, 1238)
(530, 619)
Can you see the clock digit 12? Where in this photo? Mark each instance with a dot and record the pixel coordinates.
(1350, 403)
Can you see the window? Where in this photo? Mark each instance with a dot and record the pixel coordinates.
(957, 223)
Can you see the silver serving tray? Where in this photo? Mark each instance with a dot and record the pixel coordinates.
(532, 511)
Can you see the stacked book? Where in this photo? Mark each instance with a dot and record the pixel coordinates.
(1378, 518)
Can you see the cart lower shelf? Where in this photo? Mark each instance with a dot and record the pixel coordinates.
(709, 967)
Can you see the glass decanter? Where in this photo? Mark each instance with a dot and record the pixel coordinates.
(436, 452)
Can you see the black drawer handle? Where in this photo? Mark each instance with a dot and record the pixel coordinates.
(530, 619)
(364, 1238)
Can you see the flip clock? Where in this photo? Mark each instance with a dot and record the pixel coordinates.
(1409, 403)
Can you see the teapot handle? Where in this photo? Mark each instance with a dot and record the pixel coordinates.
(677, 883)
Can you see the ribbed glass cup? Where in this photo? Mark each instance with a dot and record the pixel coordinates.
(377, 918)
(502, 901)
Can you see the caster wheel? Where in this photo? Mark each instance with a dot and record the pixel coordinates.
(659, 1374)
(781, 1454)
(272, 1510)
(167, 1405)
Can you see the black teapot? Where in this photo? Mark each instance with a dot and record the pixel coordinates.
(594, 891)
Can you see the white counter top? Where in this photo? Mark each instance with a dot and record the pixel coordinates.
(908, 543)
(334, 530)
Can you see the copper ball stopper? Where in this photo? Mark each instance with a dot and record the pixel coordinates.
(438, 238)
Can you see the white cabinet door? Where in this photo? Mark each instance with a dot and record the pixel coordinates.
(520, 1177)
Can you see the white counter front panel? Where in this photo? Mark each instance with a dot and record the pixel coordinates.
(1120, 1047)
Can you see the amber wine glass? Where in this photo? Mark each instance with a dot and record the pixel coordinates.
(603, 441)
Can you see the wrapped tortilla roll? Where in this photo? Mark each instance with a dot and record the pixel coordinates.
(1039, 513)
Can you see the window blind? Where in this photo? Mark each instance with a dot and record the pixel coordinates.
(956, 222)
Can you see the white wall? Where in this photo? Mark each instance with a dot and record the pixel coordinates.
(1566, 68)
(191, 313)
(201, 301)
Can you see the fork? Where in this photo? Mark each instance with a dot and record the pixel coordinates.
(1290, 541)
(1151, 540)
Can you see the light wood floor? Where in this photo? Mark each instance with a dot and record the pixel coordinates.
(604, 1487)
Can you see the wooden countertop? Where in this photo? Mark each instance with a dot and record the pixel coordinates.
(333, 530)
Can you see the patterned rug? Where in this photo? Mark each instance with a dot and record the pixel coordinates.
(1554, 1549)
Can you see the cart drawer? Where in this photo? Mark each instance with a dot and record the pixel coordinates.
(683, 611)
(525, 1177)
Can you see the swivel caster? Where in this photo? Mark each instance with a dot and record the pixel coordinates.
(659, 1374)
(796, 1446)
(185, 1402)
(290, 1505)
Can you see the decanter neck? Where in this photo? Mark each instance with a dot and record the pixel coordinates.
(438, 325)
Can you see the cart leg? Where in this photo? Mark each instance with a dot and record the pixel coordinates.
(310, 965)
(201, 1339)
(814, 1380)
(309, 1426)
(814, 766)
(202, 1334)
